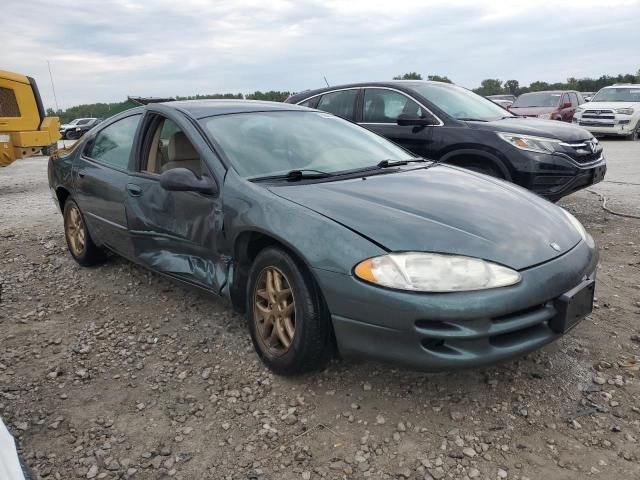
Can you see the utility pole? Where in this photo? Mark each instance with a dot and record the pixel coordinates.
(53, 87)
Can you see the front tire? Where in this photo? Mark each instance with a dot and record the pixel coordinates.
(288, 323)
(635, 135)
(79, 241)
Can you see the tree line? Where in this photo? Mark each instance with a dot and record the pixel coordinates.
(489, 86)
(495, 86)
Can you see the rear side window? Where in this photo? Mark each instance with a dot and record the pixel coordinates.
(112, 145)
(340, 103)
(8, 103)
(385, 106)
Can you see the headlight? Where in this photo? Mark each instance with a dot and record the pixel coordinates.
(434, 272)
(625, 111)
(545, 116)
(528, 142)
(576, 224)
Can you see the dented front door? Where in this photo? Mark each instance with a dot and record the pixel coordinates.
(176, 232)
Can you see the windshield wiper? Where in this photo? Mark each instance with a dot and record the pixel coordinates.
(469, 119)
(295, 175)
(394, 163)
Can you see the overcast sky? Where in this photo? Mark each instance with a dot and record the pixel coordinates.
(104, 50)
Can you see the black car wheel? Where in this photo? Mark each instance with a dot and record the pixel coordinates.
(67, 135)
(289, 325)
(635, 135)
(73, 135)
(79, 241)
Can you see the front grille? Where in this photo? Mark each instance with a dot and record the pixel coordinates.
(586, 151)
(599, 114)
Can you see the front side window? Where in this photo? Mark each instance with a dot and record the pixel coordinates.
(112, 145)
(273, 143)
(385, 106)
(459, 102)
(574, 99)
(170, 148)
(340, 103)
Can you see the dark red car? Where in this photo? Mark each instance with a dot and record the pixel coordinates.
(549, 105)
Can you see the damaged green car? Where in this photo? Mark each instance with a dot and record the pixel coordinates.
(326, 234)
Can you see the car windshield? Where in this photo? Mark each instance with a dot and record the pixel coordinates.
(538, 99)
(460, 103)
(617, 95)
(260, 144)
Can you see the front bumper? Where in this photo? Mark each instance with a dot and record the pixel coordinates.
(434, 332)
(555, 176)
(614, 127)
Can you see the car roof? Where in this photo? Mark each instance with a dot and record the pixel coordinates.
(209, 108)
(623, 85)
(399, 84)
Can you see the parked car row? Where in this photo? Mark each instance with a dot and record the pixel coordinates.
(78, 127)
(613, 110)
(453, 125)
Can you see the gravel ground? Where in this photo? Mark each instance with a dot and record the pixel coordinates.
(114, 372)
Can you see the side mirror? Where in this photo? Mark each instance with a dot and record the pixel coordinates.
(405, 120)
(184, 180)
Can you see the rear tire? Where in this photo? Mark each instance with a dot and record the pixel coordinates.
(79, 241)
(288, 322)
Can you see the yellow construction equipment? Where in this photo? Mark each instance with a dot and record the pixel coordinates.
(24, 128)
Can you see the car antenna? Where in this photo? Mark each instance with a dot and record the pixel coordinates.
(325, 81)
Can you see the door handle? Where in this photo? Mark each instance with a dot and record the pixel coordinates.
(134, 190)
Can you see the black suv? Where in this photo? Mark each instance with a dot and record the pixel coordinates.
(451, 124)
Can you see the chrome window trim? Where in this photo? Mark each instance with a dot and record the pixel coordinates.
(440, 124)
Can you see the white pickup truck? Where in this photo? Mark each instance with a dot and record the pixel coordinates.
(614, 110)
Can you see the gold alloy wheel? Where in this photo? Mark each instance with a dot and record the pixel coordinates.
(75, 231)
(274, 311)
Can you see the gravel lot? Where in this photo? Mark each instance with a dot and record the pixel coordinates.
(114, 372)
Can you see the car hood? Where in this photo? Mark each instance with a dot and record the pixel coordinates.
(443, 209)
(609, 105)
(533, 111)
(534, 126)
